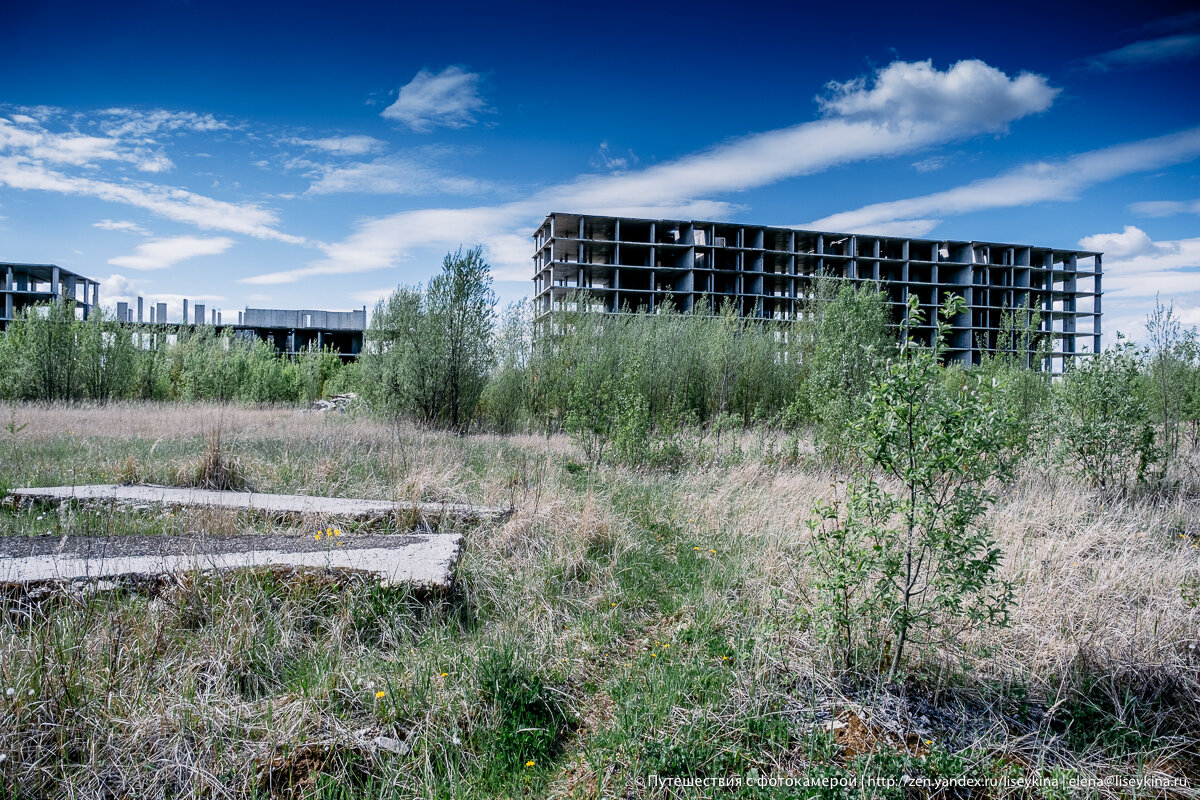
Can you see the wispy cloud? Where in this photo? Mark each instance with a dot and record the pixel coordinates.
(1165, 208)
(1178, 47)
(606, 158)
(447, 99)
(173, 203)
(896, 111)
(342, 145)
(394, 175)
(163, 253)
(931, 164)
(120, 225)
(37, 154)
(1028, 184)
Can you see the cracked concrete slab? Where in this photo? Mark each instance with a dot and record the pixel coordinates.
(273, 504)
(424, 561)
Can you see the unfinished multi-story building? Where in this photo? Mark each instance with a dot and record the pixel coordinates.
(28, 284)
(616, 264)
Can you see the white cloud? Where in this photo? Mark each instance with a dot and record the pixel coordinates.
(447, 99)
(1129, 243)
(931, 164)
(120, 225)
(1165, 208)
(607, 159)
(1137, 266)
(1178, 47)
(120, 123)
(342, 145)
(179, 205)
(163, 253)
(1031, 183)
(394, 175)
(970, 93)
(685, 186)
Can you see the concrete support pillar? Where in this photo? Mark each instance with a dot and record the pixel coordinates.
(54, 286)
(151, 315)
(162, 313)
(140, 320)
(123, 311)
(8, 306)
(185, 316)
(95, 295)
(199, 313)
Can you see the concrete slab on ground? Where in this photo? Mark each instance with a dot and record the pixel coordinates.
(424, 560)
(305, 505)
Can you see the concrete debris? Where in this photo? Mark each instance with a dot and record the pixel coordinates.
(272, 504)
(338, 402)
(423, 561)
(391, 745)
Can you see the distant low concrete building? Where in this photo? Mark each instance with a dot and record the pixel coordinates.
(28, 284)
(292, 331)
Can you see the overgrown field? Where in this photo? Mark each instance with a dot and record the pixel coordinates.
(621, 624)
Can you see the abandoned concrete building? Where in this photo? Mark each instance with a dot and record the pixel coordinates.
(624, 264)
(289, 331)
(29, 284)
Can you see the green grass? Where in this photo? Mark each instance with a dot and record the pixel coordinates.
(622, 624)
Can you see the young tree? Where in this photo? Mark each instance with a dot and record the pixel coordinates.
(845, 343)
(915, 565)
(428, 352)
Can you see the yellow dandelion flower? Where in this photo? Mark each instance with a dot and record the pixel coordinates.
(654, 655)
(445, 674)
(724, 658)
(317, 536)
(614, 605)
(530, 763)
(379, 694)
(695, 548)
(712, 551)
(337, 532)
(666, 645)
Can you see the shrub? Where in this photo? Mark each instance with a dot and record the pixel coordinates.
(917, 565)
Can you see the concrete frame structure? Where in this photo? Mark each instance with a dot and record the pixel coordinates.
(27, 284)
(291, 331)
(626, 264)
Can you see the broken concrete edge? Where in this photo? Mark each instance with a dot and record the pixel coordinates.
(278, 505)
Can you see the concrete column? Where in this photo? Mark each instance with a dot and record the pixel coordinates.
(218, 317)
(95, 295)
(54, 287)
(123, 311)
(213, 316)
(140, 320)
(162, 314)
(151, 315)
(8, 308)
(199, 313)
(239, 318)
(185, 316)
(8, 283)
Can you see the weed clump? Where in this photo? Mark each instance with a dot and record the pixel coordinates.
(216, 469)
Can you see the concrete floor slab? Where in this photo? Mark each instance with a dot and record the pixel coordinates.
(305, 505)
(424, 561)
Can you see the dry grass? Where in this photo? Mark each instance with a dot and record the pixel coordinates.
(215, 687)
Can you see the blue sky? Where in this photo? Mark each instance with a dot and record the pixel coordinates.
(303, 155)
